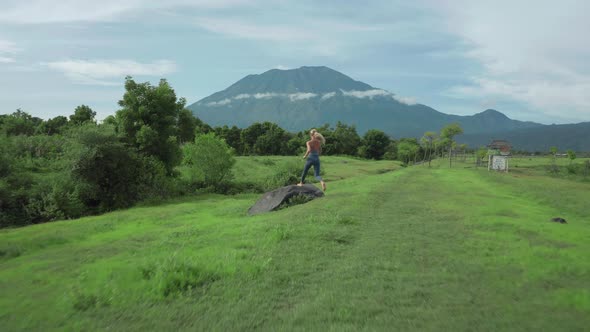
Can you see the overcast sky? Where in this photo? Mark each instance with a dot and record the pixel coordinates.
(527, 59)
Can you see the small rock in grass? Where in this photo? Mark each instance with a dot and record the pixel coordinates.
(559, 220)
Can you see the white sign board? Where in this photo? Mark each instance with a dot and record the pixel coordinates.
(499, 163)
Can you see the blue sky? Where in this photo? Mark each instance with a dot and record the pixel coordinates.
(527, 59)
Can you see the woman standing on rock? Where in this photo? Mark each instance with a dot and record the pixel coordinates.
(314, 147)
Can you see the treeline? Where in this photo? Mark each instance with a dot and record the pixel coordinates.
(68, 167)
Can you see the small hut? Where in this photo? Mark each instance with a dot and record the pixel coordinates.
(498, 154)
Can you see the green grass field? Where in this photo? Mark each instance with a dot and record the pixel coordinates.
(387, 248)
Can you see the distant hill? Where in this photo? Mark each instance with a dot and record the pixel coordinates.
(298, 99)
(566, 136)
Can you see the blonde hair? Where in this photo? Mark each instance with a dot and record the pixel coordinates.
(315, 134)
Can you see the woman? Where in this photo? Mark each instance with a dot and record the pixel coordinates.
(314, 147)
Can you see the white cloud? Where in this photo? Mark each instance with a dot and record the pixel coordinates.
(366, 93)
(281, 67)
(301, 96)
(50, 11)
(235, 28)
(8, 47)
(7, 51)
(405, 100)
(375, 93)
(219, 103)
(94, 72)
(266, 95)
(308, 95)
(318, 37)
(6, 59)
(531, 52)
(328, 95)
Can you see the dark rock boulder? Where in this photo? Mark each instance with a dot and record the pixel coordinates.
(273, 199)
(559, 220)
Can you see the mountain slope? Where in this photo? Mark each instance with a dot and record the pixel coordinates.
(298, 99)
(567, 136)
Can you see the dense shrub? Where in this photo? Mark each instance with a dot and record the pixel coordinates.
(285, 173)
(209, 160)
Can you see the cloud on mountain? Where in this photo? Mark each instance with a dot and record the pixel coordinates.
(370, 94)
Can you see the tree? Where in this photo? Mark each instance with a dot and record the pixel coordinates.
(405, 151)
(391, 152)
(232, 137)
(250, 135)
(481, 153)
(209, 159)
(428, 141)
(82, 114)
(187, 123)
(346, 139)
(374, 144)
(54, 126)
(448, 134)
(571, 155)
(272, 142)
(20, 123)
(296, 144)
(265, 138)
(148, 119)
(463, 148)
(108, 170)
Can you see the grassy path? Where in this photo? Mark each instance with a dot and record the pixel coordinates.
(417, 249)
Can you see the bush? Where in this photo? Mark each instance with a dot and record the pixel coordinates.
(111, 175)
(174, 277)
(209, 160)
(285, 173)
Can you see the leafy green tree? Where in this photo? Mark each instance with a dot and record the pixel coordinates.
(202, 127)
(54, 126)
(5, 157)
(232, 137)
(448, 134)
(346, 139)
(428, 141)
(20, 123)
(407, 150)
(187, 124)
(250, 135)
(209, 160)
(296, 144)
(272, 142)
(112, 121)
(480, 155)
(571, 155)
(374, 144)
(111, 171)
(463, 148)
(148, 119)
(391, 152)
(404, 152)
(265, 138)
(82, 114)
